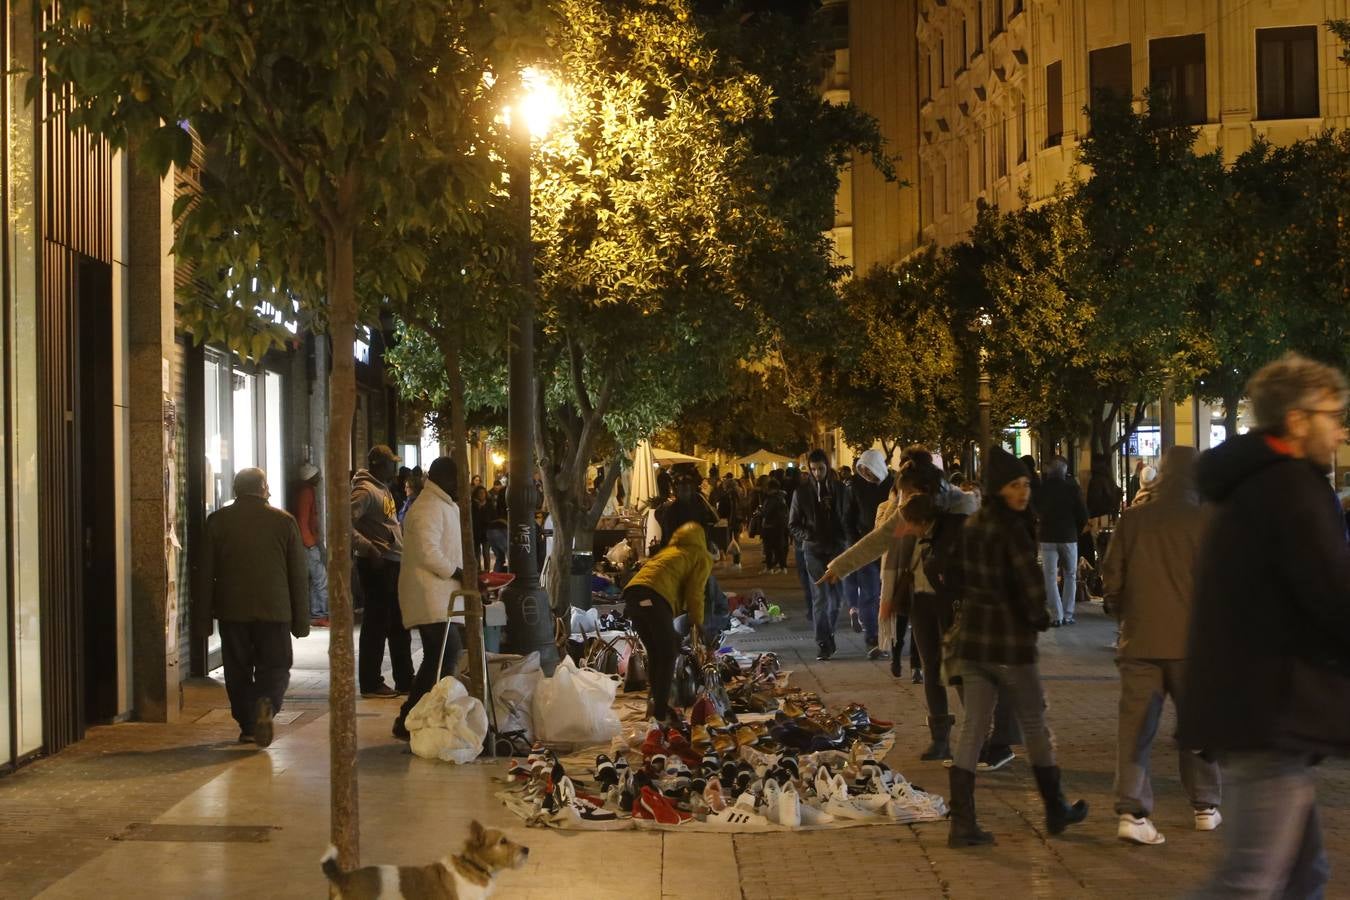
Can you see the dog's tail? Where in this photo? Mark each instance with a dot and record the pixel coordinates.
(330, 864)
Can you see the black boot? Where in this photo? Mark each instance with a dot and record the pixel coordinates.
(965, 832)
(940, 729)
(1058, 813)
(897, 661)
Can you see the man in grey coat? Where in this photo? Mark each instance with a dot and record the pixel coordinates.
(254, 578)
(1148, 576)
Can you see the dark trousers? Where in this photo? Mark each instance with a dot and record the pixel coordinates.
(826, 599)
(382, 621)
(902, 625)
(654, 623)
(929, 619)
(803, 578)
(775, 547)
(257, 657)
(432, 635)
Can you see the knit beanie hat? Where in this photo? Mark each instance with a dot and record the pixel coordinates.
(1001, 468)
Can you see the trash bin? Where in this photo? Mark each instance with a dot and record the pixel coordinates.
(583, 561)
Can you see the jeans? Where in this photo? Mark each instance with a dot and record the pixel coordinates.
(1144, 685)
(382, 621)
(653, 621)
(1272, 835)
(318, 582)
(981, 683)
(803, 578)
(1061, 604)
(929, 619)
(863, 589)
(432, 636)
(257, 657)
(826, 599)
(496, 538)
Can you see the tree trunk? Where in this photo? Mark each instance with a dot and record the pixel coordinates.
(1230, 414)
(1167, 417)
(345, 814)
(459, 451)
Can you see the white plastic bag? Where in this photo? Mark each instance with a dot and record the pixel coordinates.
(575, 706)
(585, 621)
(513, 695)
(448, 724)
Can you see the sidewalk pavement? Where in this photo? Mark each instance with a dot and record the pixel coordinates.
(59, 818)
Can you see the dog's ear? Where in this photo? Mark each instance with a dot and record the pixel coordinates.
(477, 833)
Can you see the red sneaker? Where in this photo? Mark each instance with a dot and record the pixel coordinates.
(655, 743)
(655, 807)
(679, 745)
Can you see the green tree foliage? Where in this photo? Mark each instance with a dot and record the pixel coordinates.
(336, 132)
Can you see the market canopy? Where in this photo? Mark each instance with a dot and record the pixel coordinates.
(670, 457)
(763, 459)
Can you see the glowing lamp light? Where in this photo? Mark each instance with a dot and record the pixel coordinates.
(498, 459)
(541, 104)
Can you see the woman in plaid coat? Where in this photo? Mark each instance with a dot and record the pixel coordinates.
(993, 644)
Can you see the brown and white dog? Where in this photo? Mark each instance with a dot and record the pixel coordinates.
(468, 876)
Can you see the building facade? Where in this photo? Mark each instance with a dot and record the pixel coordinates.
(1004, 86)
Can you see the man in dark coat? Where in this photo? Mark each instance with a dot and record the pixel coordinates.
(820, 521)
(253, 577)
(1268, 686)
(1063, 516)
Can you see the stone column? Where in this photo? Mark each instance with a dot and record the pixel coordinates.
(150, 330)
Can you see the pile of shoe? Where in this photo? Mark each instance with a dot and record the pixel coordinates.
(615, 621)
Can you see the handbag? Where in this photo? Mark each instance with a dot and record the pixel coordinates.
(601, 655)
(685, 686)
(756, 524)
(635, 676)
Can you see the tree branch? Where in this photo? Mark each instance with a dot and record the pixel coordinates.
(597, 508)
(576, 368)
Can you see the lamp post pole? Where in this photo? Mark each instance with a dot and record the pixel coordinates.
(529, 621)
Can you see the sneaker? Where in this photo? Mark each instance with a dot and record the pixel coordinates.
(782, 805)
(855, 620)
(824, 652)
(401, 731)
(736, 566)
(842, 806)
(739, 815)
(918, 676)
(383, 692)
(1208, 819)
(995, 758)
(575, 811)
(245, 738)
(1138, 830)
(262, 723)
(319, 622)
(605, 772)
(876, 653)
(653, 807)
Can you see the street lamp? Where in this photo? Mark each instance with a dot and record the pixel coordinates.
(983, 321)
(529, 621)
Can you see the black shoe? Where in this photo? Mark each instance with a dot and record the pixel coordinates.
(401, 731)
(245, 738)
(262, 723)
(918, 676)
(382, 692)
(402, 691)
(897, 663)
(965, 831)
(940, 729)
(825, 651)
(993, 758)
(1059, 815)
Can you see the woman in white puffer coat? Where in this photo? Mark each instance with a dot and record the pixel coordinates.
(433, 563)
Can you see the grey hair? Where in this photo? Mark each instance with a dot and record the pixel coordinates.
(1290, 383)
(251, 482)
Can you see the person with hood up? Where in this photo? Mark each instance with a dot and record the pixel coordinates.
(377, 541)
(669, 584)
(773, 518)
(1267, 683)
(433, 566)
(1148, 576)
(821, 521)
(871, 486)
(993, 644)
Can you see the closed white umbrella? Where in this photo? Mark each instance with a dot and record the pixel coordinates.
(642, 487)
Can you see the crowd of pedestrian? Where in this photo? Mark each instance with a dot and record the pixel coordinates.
(1228, 573)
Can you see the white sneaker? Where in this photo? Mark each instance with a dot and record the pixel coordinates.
(782, 806)
(1138, 831)
(842, 806)
(812, 815)
(1208, 819)
(740, 815)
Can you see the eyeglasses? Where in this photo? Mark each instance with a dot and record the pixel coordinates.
(1339, 415)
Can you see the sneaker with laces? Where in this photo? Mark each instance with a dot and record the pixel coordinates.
(1208, 819)
(994, 758)
(739, 816)
(381, 692)
(1138, 830)
(651, 806)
